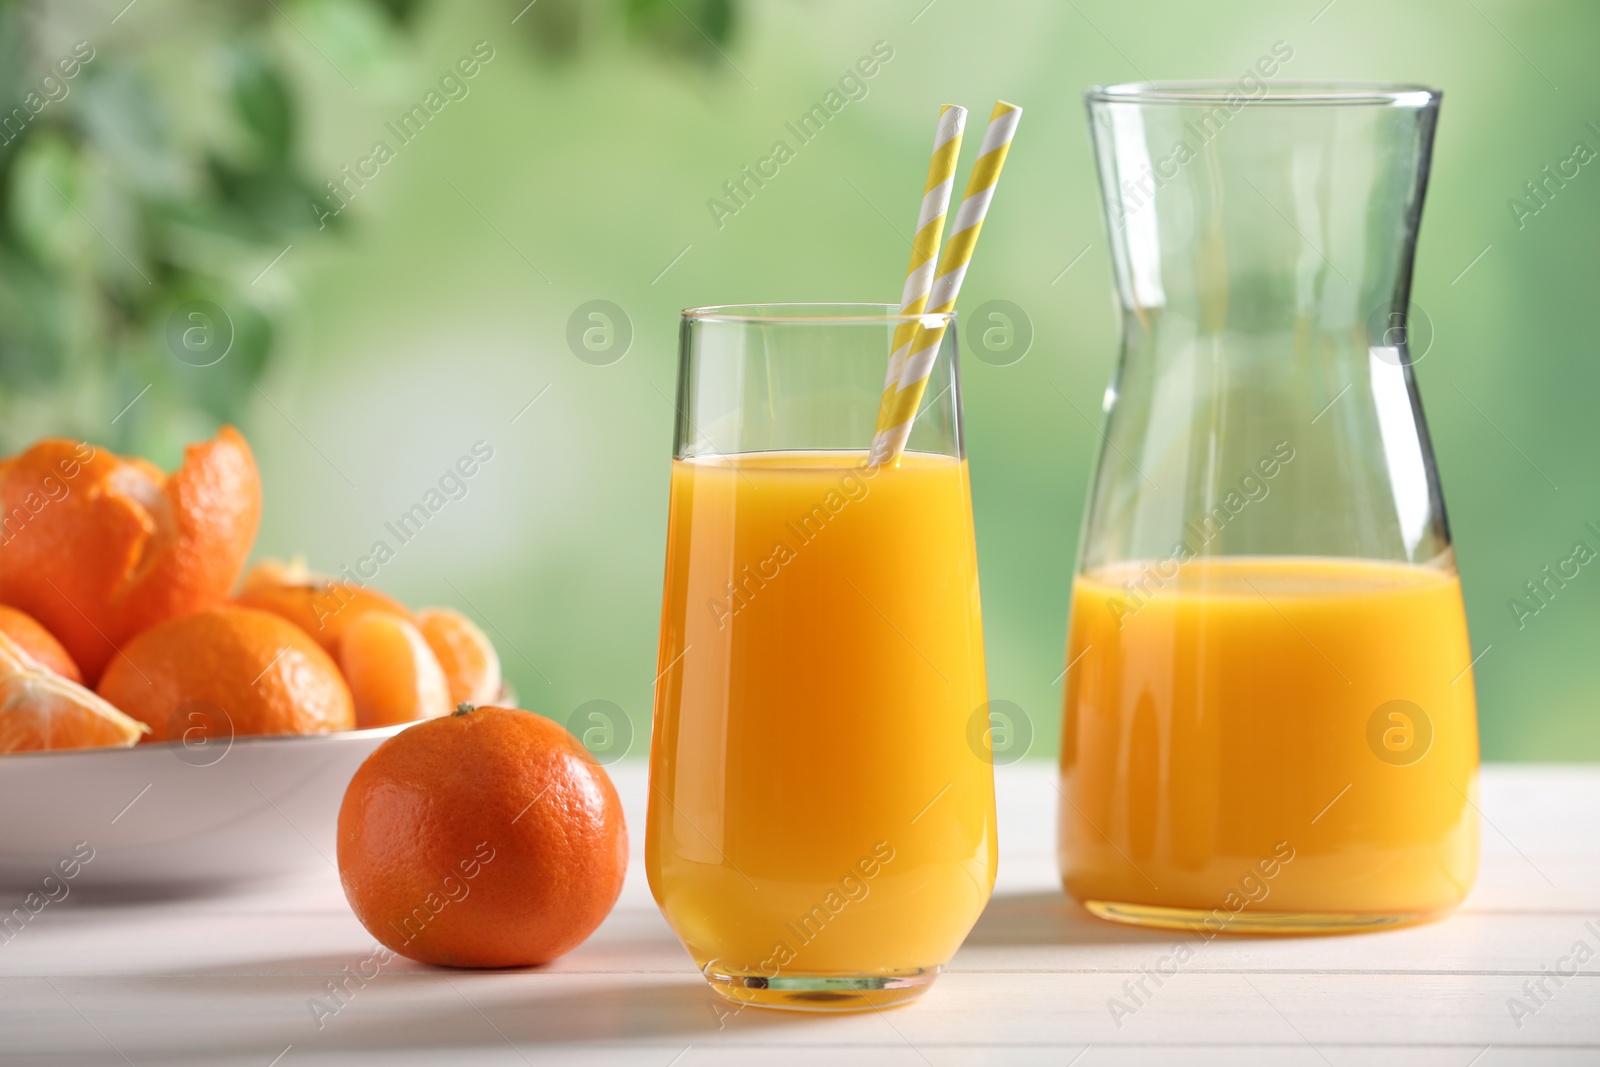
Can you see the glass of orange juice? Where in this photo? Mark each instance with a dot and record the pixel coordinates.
(1269, 714)
(821, 833)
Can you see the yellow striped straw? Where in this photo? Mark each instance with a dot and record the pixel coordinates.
(930, 229)
(901, 398)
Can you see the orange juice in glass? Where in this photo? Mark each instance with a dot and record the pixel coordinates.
(1269, 723)
(821, 831)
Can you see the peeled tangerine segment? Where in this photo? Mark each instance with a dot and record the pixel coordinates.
(38, 642)
(470, 662)
(393, 675)
(40, 710)
(14, 659)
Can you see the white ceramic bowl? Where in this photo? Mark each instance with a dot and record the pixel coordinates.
(177, 818)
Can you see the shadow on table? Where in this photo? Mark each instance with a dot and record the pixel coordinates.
(624, 1009)
(415, 1008)
(1051, 918)
(177, 891)
(481, 1014)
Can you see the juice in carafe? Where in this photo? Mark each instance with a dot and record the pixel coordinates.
(1264, 743)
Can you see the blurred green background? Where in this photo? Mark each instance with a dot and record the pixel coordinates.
(372, 347)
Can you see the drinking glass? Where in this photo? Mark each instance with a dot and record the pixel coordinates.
(821, 832)
(1269, 719)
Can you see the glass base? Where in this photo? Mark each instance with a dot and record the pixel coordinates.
(1250, 921)
(821, 992)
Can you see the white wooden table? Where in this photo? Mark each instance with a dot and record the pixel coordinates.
(228, 980)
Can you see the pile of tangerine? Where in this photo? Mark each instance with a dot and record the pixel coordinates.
(486, 837)
(115, 612)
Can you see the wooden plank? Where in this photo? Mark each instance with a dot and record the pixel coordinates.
(1031, 932)
(151, 1017)
(229, 979)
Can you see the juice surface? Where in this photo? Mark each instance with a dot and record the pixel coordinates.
(1232, 741)
(817, 805)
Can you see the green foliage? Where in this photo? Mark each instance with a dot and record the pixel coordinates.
(115, 212)
(696, 28)
(151, 178)
(693, 30)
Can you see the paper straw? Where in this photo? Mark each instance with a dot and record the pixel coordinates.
(930, 229)
(899, 405)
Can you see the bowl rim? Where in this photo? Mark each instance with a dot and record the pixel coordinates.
(251, 740)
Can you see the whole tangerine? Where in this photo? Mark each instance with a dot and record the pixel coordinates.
(486, 838)
(235, 668)
(320, 605)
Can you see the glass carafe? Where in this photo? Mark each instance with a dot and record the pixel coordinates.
(1269, 719)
